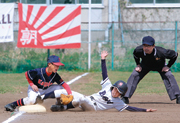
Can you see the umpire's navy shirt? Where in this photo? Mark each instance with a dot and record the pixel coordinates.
(155, 60)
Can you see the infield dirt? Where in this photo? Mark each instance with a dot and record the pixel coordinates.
(167, 111)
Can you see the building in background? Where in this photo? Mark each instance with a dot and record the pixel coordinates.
(116, 25)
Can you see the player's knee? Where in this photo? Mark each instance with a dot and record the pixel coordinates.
(57, 93)
(32, 101)
(135, 73)
(57, 87)
(169, 74)
(75, 103)
(29, 101)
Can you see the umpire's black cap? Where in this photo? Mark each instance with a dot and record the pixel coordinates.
(148, 40)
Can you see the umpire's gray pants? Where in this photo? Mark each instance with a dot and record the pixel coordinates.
(169, 82)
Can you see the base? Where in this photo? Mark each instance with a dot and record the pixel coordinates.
(32, 108)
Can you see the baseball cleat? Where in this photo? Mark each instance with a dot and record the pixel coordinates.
(39, 100)
(58, 101)
(55, 108)
(125, 100)
(10, 107)
(178, 100)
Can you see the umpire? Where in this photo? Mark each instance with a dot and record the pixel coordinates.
(149, 57)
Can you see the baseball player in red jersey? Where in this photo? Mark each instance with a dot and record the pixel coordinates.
(106, 98)
(41, 82)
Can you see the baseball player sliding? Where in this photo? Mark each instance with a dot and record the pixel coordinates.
(106, 98)
(41, 82)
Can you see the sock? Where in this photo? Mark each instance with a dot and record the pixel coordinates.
(19, 102)
(49, 95)
(70, 105)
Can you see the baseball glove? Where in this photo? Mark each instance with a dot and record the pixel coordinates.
(66, 99)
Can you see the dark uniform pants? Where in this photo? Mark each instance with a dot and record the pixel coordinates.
(169, 82)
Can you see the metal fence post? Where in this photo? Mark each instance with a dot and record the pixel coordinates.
(121, 25)
(176, 24)
(48, 51)
(112, 61)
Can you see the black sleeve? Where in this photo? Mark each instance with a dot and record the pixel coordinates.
(104, 69)
(136, 58)
(172, 55)
(32, 74)
(58, 79)
(130, 108)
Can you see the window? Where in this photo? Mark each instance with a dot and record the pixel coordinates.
(34, 1)
(58, 1)
(92, 1)
(8, 1)
(153, 3)
(140, 1)
(76, 1)
(167, 1)
(63, 1)
(83, 3)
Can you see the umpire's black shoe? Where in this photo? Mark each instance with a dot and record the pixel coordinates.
(125, 100)
(178, 99)
(10, 107)
(55, 108)
(39, 100)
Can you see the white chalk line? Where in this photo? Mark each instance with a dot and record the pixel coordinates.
(20, 113)
(14, 117)
(78, 77)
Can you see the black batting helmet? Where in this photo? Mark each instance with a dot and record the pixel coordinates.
(121, 86)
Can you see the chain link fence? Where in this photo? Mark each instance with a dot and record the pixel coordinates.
(119, 39)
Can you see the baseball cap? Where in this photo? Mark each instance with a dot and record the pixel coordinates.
(148, 40)
(55, 60)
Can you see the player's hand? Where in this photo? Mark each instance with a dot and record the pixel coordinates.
(104, 54)
(151, 110)
(35, 88)
(165, 69)
(138, 68)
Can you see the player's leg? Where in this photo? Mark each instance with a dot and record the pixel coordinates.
(57, 94)
(73, 104)
(31, 99)
(54, 94)
(133, 82)
(12, 106)
(79, 100)
(171, 85)
(87, 104)
(52, 88)
(49, 93)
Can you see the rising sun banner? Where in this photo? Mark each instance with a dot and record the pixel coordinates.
(49, 27)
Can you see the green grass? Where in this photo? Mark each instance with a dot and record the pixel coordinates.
(151, 83)
(12, 82)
